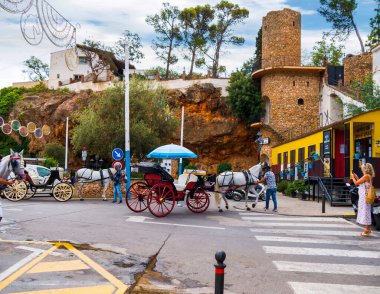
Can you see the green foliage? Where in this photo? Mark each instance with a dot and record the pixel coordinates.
(227, 15)
(8, 98)
(258, 52)
(64, 90)
(7, 143)
(322, 51)
(223, 166)
(190, 167)
(282, 185)
(369, 94)
(340, 13)
(195, 24)
(290, 189)
(36, 69)
(50, 162)
(244, 98)
(300, 186)
(135, 175)
(167, 27)
(55, 151)
(374, 23)
(101, 125)
(134, 47)
(162, 72)
(39, 88)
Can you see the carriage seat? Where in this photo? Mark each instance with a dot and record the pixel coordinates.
(184, 180)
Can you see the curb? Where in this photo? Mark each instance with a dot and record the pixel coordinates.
(299, 215)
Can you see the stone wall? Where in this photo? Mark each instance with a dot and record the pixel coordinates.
(294, 101)
(281, 38)
(357, 67)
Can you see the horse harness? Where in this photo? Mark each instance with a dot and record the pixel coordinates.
(102, 178)
(249, 180)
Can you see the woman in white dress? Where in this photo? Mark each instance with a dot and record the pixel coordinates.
(364, 209)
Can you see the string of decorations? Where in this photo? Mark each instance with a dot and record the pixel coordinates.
(39, 18)
(24, 131)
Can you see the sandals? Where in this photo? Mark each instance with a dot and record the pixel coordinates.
(365, 234)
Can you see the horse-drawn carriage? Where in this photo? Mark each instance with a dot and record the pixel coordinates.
(158, 192)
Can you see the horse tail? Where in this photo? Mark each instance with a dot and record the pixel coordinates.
(216, 193)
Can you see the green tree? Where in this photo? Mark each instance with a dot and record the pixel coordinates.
(323, 50)
(221, 33)
(134, 47)
(162, 72)
(244, 98)
(195, 23)
(369, 94)
(8, 98)
(36, 69)
(55, 151)
(100, 127)
(374, 35)
(340, 13)
(167, 27)
(259, 51)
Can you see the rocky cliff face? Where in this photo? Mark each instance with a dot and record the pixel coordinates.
(209, 130)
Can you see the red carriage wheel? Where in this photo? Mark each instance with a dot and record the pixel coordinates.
(198, 202)
(138, 196)
(161, 200)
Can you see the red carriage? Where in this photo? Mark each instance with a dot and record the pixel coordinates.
(159, 193)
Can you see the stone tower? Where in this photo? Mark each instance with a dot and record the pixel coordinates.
(290, 92)
(281, 38)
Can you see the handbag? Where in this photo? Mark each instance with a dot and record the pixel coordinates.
(370, 196)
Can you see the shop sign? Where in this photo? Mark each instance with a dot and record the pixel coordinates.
(327, 142)
(377, 143)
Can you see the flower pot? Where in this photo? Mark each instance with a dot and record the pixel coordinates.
(310, 165)
(315, 156)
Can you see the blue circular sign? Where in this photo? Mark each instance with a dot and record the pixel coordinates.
(117, 154)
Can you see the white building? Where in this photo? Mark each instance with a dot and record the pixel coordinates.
(376, 64)
(68, 67)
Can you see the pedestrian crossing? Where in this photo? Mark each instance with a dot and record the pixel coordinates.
(318, 254)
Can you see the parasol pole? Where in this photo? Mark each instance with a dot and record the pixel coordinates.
(182, 120)
(126, 117)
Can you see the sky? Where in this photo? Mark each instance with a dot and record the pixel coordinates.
(106, 20)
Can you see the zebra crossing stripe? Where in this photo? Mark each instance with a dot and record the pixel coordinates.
(311, 225)
(321, 252)
(306, 232)
(327, 268)
(315, 241)
(303, 219)
(314, 288)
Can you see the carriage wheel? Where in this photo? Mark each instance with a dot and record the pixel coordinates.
(62, 192)
(29, 193)
(138, 196)
(199, 202)
(161, 200)
(16, 192)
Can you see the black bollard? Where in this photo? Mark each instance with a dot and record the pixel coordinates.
(220, 256)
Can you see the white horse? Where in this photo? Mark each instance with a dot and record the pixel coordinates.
(85, 176)
(234, 181)
(12, 163)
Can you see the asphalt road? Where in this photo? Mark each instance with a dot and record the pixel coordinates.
(100, 247)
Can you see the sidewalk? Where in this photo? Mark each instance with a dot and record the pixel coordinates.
(296, 207)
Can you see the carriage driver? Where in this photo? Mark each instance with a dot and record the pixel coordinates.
(270, 180)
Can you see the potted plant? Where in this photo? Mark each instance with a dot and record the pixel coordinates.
(301, 187)
(291, 190)
(282, 185)
(315, 155)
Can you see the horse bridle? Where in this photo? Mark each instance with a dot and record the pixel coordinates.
(11, 165)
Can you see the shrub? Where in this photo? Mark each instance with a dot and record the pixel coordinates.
(50, 162)
(190, 167)
(55, 151)
(39, 88)
(290, 189)
(301, 186)
(224, 166)
(64, 90)
(282, 185)
(8, 98)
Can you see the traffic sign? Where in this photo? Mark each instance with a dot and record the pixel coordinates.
(120, 161)
(117, 154)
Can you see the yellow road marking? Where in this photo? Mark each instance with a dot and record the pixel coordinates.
(25, 268)
(106, 289)
(112, 279)
(58, 266)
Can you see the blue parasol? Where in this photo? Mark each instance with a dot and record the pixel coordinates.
(171, 151)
